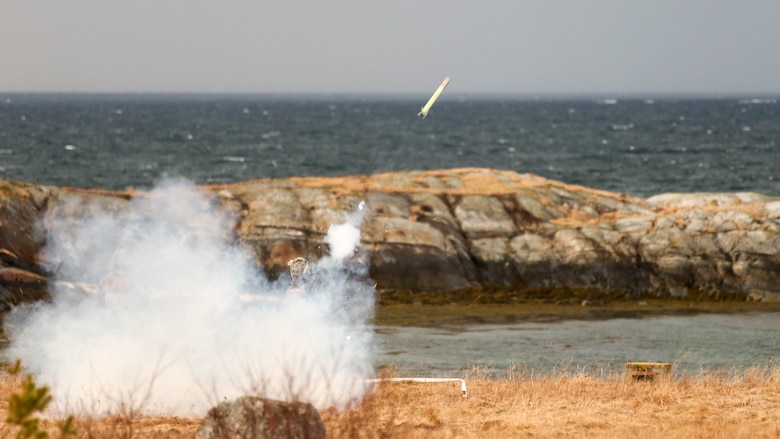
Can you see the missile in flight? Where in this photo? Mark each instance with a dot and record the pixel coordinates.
(427, 107)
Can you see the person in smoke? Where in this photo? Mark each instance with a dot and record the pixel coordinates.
(300, 276)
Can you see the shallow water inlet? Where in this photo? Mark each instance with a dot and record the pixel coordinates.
(694, 344)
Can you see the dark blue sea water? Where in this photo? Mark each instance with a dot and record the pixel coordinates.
(638, 146)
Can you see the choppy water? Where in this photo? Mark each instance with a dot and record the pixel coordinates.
(638, 146)
(705, 342)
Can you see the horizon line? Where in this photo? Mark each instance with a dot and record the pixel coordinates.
(414, 95)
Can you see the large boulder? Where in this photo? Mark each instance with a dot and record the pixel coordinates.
(258, 418)
(466, 230)
(487, 229)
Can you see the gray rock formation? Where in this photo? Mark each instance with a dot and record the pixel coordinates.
(471, 230)
(258, 418)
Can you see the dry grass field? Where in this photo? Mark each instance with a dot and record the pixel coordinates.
(523, 404)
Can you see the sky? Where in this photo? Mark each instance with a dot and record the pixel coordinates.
(400, 46)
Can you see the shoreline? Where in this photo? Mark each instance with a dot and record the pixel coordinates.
(425, 314)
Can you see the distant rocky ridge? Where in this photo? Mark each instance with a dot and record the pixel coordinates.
(468, 230)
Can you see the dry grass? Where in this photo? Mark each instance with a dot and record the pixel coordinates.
(710, 406)
(722, 405)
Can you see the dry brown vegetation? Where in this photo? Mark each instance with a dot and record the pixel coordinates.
(710, 406)
(524, 404)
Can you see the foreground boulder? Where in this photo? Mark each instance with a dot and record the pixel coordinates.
(477, 230)
(259, 418)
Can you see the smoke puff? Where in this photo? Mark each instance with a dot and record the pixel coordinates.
(343, 239)
(158, 309)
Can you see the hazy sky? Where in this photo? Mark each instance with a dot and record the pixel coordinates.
(408, 46)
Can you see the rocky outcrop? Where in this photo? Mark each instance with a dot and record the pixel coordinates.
(475, 229)
(259, 418)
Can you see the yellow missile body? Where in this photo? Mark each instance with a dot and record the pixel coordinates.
(427, 107)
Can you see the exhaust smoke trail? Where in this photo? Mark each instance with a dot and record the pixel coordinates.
(179, 317)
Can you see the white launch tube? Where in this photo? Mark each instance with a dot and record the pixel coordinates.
(463, 390)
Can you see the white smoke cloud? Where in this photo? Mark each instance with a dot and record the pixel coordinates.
(177, 317)
(343, 239)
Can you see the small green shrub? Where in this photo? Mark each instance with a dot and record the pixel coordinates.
(23, 406)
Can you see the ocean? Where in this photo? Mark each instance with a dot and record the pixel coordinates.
(638, 146)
